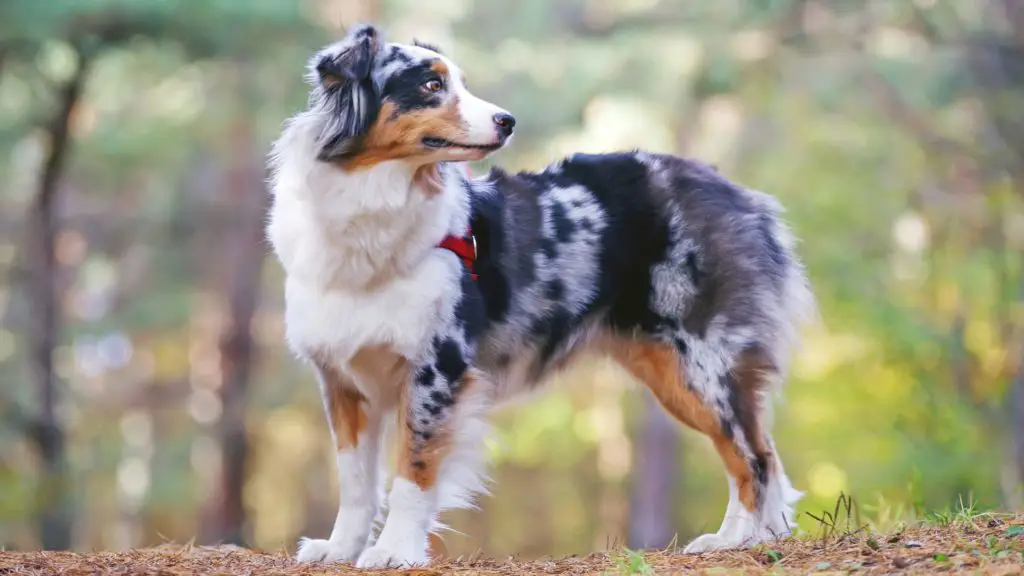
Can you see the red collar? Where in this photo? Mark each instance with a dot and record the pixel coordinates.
(464, 247)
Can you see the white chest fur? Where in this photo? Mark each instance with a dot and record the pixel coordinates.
(359, 251)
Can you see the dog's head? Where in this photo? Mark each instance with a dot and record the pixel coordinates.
(384, 101)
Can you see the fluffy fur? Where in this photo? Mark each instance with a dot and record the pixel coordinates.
(689, 281)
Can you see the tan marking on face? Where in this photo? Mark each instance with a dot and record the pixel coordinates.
(344, 407)
(660, 368)
(440, 68)
(395, 137)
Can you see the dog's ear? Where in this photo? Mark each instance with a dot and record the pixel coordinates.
(349, 96)
(351, 60)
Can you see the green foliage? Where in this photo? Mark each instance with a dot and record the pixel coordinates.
(963, 515)
(198, 24)
(629, 562)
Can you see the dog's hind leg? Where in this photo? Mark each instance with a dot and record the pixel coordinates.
(355, 428)
(730, 412)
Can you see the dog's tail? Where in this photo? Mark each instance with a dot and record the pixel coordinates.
(798, 301)
(797, 306)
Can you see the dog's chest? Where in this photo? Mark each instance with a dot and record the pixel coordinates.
(403, 313)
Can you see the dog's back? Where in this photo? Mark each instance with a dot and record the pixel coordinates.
(613, 245)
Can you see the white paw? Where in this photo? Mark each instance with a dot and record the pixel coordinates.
(311, 550)
(383, 557)
(708, 543)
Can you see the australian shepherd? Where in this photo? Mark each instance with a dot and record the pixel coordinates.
(423, 298)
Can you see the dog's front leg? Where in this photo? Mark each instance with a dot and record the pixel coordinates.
(433, 420)
(355, 426)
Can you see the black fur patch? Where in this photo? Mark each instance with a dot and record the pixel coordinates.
(548, 248)
(450, 362)
(405, 91)
(552, 332)
(564, 227)
(555, 290)
(395, 54)
(490, 240)
(635, 240)
(442, 399)
(470, 312)
(425, 377)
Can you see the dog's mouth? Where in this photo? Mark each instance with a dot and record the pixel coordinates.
(442, 143)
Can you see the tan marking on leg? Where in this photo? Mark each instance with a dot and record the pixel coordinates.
(344, 407)
(437, 547)
(738, 468)
(660, 368)
(420, 460)
(384, 369)
(750, 374)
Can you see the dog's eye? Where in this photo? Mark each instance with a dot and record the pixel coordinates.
(433, 85)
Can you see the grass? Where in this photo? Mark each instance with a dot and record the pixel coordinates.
(629, 562)
(959, 539)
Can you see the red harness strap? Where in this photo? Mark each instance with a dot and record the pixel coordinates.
(463, 246)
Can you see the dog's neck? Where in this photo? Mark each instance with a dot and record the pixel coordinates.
(359, 228)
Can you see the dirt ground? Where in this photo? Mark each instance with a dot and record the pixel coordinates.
(983, 544)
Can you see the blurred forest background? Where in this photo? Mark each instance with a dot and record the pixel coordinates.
(147, 394)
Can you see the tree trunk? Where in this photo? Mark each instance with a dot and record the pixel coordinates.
(237, 352)
(247, 201)
(47, 433)
(651, 504)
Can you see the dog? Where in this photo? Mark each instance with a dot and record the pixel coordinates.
(423, 298)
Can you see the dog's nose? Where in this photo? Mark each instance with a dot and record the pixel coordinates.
(505, 123)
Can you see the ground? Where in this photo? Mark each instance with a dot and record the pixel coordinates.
(979, 543)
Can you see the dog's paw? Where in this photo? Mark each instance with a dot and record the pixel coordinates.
(384, 557)
(708, 543)
(311, 550)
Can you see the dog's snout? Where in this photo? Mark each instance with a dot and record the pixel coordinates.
(505, 123)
